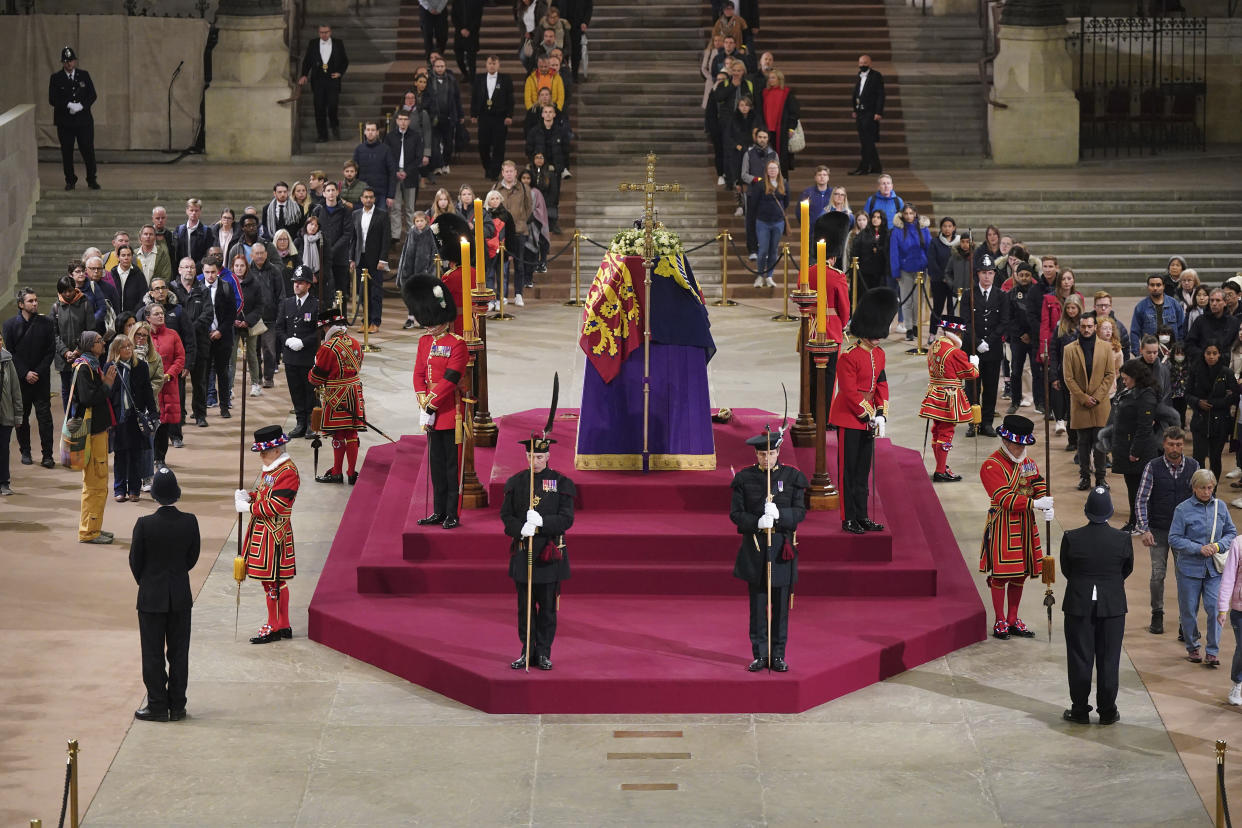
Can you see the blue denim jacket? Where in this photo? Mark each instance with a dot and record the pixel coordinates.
(1144, 321)
(1192, 522)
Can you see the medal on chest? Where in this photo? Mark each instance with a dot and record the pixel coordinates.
(441, 351)
(780, 485)
(1028, 472)
(268, 480)
(549, 485)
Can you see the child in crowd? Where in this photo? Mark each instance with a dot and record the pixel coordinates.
(417, 259)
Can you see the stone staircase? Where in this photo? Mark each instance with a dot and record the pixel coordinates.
(65, 224)
(1111, 240)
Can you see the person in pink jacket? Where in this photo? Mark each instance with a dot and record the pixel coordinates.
(1230, 604)
(1053, 304)
(168, 344)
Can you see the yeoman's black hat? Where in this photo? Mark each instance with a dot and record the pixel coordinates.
(1017, 429)
(330, 317)
(269, 437)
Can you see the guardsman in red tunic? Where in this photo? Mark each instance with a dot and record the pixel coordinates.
(833, 228)
(269, 534)
(337, 364)
(860, 405)
(1011, 550)
(945, 403)
(438, 368)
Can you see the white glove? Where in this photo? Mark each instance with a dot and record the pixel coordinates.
(241, 501)
(528, 530)
(534, 518)
(1044, 502)
(426, 420)
(771, 511)
(74, 107)
(1048, 514)
(974, 360)
(880, 425)
(766, 522)
(293, 343)
(983, 346)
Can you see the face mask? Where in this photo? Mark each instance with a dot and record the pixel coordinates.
(862, 69)
(1164, 340)
(1179, 358)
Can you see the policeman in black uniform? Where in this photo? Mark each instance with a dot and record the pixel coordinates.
(71, 93)
(753, 514)
(297, 333)
(544, 526)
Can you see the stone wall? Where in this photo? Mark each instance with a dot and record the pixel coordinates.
(19, 192)
(131, 61)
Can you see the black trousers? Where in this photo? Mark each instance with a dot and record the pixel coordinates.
(165, 634)
(217, 373)
(467, 49)
(943, 300)
(327, 93)
(1019, 352)
(1094, 642)
(543, 613)
(989, 382)
(492, 137)
(868, 137)
(161, 444)
(857, 448)
(435, 30)
(442, 457)
(759, 620)
(1208, 449)
(85, 137)
(444, 135)
(301, 392)
(37, 395)
(198, 381)
(1088, 452)
(575, 46)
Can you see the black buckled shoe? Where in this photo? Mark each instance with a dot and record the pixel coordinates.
(1000, 630)
(285, 632)
(266, 635)
(1021, 630)
(433, 519)
(870, 525)
(451, 522)
(543, 662)
(757, 665)
(330, 477)
(945, 477)
(146, 714)
(853, 527)
(779, 665)
(352, 478)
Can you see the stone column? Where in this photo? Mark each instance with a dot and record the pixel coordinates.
(1033, 79)
(250, 73)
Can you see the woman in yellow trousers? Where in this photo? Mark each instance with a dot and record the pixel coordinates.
(91, 385)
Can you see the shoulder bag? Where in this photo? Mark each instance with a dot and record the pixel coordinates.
(74, 432)
(147, 422)
(797, 140)
(1218, 558)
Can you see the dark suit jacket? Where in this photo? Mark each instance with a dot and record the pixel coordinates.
(378, 241)
(501, 103)
(290, 321)
(871, 100)
(312, 65)
(414, 151)
(61, 91)
(990, 323)
(135, 288)
(1100, 557)
(161, 555)
(195, 246)
(225, 309)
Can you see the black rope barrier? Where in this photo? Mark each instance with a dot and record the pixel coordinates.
(559, 253)
(1224, 795)
(64, 797)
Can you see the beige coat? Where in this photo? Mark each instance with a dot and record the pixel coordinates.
(1103, 375)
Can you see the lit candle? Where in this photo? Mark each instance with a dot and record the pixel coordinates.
(803, 266)
(821, 292)
(467, 311)
(480, 266)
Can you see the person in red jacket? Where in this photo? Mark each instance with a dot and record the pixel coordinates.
(860, 405)
(438, 368)
(1011, 550)
(338, 363)
(945, 403)
(168, 343)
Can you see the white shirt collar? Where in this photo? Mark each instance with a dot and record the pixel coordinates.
(284, 455)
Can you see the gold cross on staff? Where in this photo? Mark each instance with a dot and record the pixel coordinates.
(649, 189)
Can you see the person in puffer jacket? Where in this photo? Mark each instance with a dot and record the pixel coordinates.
(907, 256)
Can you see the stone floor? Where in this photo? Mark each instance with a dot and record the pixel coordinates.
(972, 738)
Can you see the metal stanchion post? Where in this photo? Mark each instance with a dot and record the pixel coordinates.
(73, 783)
(576, 301)
(854, 286)
(784, 316)
(367, 347)
(500, 315)
(920, 300)
(724, 300)
(1221, 747)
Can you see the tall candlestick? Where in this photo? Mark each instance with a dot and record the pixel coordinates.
(480, 265)
(821, 292)
(805, 251)
(467, 310)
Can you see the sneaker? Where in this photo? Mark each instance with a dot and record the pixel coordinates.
(738, 211)
(256, 391)
(447, 169)
(901, 327)
(1235, 695)
(754, 257)
(409, 323)
(1027, 402)
(720, 181)
(267, 383)
(517, 300)
(494, 305)
(1235, 474)
(5, 491)
(758, 281)
(146, 486)
(769, 282)
(541, 268)
(1060, 427)
(1236, 503)
(565, 173)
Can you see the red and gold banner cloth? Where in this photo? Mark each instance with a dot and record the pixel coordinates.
(612, 318)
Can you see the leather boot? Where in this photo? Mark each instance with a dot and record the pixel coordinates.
(1157, 623)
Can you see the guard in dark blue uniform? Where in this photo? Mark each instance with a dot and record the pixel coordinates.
(71, 94)
(754, 512)
(544, 525)
(297, 333)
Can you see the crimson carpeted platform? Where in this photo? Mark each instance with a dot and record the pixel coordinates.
(652, 620)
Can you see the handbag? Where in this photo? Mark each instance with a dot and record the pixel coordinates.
(74, 434)
(1218, 558)
(797, 140)
(258, 328)
(526, 49)
(147, 422)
